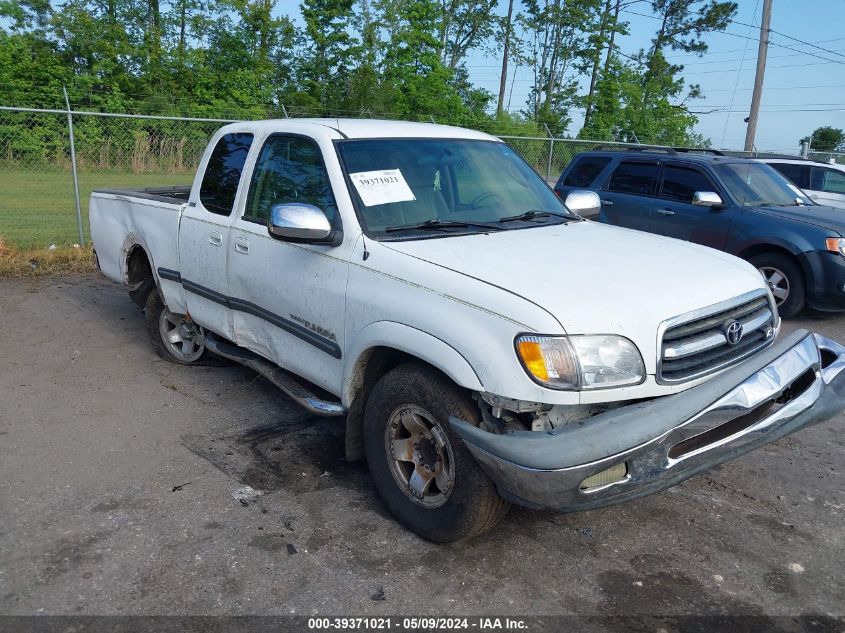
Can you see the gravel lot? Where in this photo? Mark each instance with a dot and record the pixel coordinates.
(119, 470)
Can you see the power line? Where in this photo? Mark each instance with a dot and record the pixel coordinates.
(795, 39)
(720, 111)
(746, 37)
(728, 61)
(772, 105)
(730, 70)
(814, 87)
(736, 83)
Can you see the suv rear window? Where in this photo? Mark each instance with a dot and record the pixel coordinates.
(585, 170)
(637, 178)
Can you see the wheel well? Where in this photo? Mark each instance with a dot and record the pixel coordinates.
(760, 249)
(138, 267)
(372, 365)
(139, 275)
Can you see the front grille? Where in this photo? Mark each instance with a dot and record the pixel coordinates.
(697, 344)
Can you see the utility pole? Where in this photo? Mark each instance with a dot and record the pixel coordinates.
(762, 51)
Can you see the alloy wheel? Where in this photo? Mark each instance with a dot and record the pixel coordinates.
(777, 282)
(183, 339)
(420, 456)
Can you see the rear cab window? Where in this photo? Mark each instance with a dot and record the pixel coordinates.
(585, 170)
(223, 173)
(634, 177)
(680, 183)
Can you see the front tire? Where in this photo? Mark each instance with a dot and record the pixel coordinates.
(784, 278)
(421, 468)
(173, 336)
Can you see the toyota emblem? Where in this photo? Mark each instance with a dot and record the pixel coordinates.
(733, 332)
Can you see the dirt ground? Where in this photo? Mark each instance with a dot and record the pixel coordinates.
(118, 472)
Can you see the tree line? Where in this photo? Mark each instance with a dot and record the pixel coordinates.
(393, 58)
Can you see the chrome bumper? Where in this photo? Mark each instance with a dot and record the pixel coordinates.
(796, 382)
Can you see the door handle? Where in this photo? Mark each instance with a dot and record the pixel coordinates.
(215, 238)
(607, 202)
(666, 212)
(241, 246)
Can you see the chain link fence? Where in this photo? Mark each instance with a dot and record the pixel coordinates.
(549, 156)
(837, 158)
(37, 193)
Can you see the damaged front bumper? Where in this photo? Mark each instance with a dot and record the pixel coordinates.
(643, 448)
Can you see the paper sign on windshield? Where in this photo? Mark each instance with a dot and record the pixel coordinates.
(381, 187)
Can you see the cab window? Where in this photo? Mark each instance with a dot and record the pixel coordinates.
(289, 169)
(223, 173)
(828, 180)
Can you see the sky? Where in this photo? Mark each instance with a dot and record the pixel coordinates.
(800, 93)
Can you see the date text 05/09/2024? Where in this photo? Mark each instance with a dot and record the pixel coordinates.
(416, 624)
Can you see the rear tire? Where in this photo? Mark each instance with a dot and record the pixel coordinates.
(174, 337)
(784, 278)
(423, 472)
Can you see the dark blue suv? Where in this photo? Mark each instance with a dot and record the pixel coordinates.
(737, 205)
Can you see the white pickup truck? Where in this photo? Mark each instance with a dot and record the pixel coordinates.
(485, 344)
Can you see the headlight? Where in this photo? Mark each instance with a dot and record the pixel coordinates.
(580, 362)
(835, 245)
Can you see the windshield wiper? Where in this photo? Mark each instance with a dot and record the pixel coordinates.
(538, 213)
(435, 224)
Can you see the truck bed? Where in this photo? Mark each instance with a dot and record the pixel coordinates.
(172, 194)
(125, 219)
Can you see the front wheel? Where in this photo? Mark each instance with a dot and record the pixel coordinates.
(421, 468)
(783, 277)
(174, 337)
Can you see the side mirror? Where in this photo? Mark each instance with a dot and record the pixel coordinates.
(297, 221)
(583, 202)
(707, 199)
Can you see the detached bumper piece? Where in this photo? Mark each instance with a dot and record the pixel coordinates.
(644, 448)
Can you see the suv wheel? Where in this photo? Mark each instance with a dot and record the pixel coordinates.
(784, 279)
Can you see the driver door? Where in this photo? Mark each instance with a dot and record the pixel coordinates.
(288, 298)
(674, 214)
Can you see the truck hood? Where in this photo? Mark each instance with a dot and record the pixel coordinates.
(594, 278)
(818, 215)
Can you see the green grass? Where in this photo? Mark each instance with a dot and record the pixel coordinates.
(37, 206)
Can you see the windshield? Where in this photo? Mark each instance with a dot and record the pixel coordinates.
(757, 185)
(431, 187)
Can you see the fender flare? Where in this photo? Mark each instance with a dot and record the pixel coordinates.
(406, 339)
